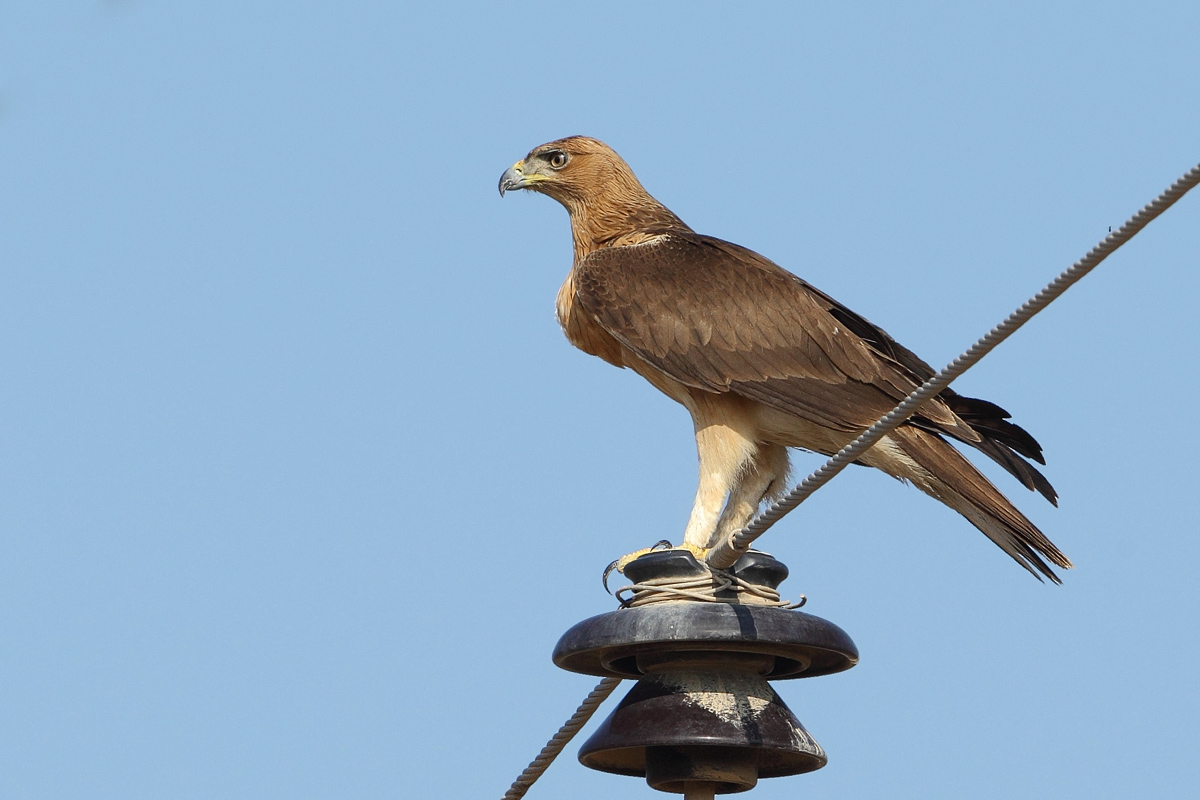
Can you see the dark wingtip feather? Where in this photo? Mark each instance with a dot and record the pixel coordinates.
(1003, 454)
(984, 416)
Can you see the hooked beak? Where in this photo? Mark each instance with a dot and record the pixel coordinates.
(515, 178)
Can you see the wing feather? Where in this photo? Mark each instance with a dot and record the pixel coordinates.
(716, 316)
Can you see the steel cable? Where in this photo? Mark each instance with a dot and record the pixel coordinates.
(728, 551)
(560, 740)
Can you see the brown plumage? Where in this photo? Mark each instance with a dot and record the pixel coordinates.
(762, 360)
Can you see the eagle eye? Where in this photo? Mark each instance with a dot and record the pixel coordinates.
(557, 159)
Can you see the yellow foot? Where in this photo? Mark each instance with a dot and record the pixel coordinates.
(619, 565)
(699, 552)
(622, 562)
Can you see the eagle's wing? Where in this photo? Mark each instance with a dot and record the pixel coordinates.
(1002, 441)
(719, 317)
(716, 316)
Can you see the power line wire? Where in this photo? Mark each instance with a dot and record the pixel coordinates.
(559, 740)
(728, 551)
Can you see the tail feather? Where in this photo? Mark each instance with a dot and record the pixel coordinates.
(1029, 476)
(1002, 441)
(985, 416)
(945, 474)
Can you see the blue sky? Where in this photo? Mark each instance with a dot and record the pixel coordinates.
(300, 482)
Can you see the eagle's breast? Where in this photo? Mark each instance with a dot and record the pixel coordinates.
(583, 331)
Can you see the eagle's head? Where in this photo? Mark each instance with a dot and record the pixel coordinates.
(607, 204)
(575, 171)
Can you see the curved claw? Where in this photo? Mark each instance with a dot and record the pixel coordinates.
(620, 563)
(608, 571)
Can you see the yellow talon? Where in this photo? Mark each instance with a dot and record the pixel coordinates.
(622, 562)
(700, 553)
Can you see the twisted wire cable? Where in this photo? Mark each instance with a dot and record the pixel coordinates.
(705, 588)
(557, 742)
(729, 550)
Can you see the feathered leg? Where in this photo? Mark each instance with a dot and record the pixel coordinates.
(765, 476)
(724, 455)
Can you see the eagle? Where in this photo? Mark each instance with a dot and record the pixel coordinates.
(762, 360)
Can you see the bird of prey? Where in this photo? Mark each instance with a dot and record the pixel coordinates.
(761, 359)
